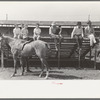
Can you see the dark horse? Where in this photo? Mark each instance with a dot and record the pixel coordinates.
(39, 47)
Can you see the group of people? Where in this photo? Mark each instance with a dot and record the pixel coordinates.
(89, 33)
(55, 33)
(23, 33)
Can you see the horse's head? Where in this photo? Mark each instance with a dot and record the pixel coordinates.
(2, 38)
(5, 40)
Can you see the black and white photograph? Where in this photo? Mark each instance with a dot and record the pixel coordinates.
(54, 42)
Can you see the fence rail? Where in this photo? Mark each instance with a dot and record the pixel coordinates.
(67, 51)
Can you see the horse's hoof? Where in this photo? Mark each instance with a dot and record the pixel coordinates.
(39, 76)
(13, 75)
(78, 68)
(46, 77)
(22, 74)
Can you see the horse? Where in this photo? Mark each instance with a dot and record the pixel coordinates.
(21, 49)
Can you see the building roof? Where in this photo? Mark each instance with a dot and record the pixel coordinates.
(45, 23)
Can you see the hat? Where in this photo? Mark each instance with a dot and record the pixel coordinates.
(89, 22)
(53, 23)
(37, 23)
(22, 25)
(16, 24)
(79, 23)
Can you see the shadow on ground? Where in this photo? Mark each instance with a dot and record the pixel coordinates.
(53, 75)
(64, 76)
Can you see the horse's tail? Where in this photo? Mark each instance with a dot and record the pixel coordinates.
(48, 48)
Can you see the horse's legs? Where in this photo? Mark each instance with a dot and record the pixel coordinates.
(47, 71)
(45, 64)
(42, 69)
(27, 65)
(22, 65)
(15, 66)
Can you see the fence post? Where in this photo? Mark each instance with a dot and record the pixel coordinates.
(90, 55)
(2, 59)
(95, 58)
(90, 52)
(59, 44)
(79, 59)
(2, 55)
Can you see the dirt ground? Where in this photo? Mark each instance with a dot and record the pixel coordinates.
(55, 74)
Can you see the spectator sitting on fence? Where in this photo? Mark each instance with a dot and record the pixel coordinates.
(37, 32)
(55, 33)
(21, 35)
(16, 31)
(77, 33)
(89, 33)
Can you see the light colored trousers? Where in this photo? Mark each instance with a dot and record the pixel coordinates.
(36, 37)
(92, 39)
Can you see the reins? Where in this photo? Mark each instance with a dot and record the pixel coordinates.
(27, 42)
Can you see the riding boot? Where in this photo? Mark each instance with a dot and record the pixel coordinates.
(94, 44)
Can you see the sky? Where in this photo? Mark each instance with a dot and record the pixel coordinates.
(50, 11)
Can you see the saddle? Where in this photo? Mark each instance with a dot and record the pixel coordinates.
(27, 42)
(18, 45)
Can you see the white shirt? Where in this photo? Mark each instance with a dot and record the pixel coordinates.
(16, 32)
(37, 31)
(77, 31)
(24, 33)
(89, 30)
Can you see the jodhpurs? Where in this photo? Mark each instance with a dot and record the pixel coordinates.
(36, 37)
(56, 41)
(92, 39)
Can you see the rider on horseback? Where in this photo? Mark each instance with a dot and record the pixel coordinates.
(24, 32)
(24, 36)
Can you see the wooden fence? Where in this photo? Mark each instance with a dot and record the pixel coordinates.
(67, 51)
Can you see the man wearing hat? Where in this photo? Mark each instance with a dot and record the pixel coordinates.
(89, 32)
(55, 33)
(77, 33)
(37, 32)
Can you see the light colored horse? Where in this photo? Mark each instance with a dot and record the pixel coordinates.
(39, 47)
